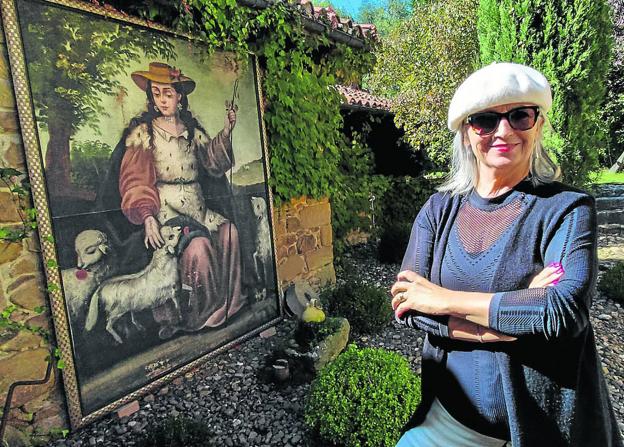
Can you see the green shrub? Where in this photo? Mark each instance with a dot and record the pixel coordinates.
(309, 334)
(612, 282)
(366, 307)
(400, 204)
(393, 242)
(363, 398)
(403, 199)
(177, 432)
(350, 202)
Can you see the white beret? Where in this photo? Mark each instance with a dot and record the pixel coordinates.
(495, 85)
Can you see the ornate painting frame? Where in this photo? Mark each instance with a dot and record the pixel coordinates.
(52, 247)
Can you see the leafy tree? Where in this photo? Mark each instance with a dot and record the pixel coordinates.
(73, 62)
(421, 64)
(613, 112)
(385, 16)
(565, 40)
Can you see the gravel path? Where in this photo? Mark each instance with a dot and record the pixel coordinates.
(242, 410)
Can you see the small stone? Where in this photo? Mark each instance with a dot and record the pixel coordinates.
(128, 409)
(164, 390)
(605, 317)
(267, 333)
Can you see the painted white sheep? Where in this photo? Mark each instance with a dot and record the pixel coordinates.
(95, 263)
(150, 287)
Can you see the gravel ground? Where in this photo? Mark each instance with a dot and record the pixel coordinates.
(242, 410)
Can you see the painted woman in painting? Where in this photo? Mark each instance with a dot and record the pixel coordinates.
(168, 170)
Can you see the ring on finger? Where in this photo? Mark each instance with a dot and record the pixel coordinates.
(401, 298)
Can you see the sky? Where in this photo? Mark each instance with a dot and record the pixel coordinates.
(352, 7)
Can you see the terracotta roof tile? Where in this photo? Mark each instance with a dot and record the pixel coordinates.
(329, 16)
(357, 97)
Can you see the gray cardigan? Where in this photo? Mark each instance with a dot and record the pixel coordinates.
(554, 389)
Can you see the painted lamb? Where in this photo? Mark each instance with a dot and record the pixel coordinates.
(150, 287)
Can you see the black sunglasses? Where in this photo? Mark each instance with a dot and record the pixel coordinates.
(521, 118)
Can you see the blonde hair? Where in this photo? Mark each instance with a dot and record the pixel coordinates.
(463, 175)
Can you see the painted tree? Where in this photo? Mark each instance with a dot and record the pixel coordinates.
(565, 40)
(420, 65)
(73, 63)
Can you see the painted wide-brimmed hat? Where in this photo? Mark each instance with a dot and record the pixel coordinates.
(164, 74)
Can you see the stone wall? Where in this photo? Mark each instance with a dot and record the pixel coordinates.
(303, 235)
(22, 354)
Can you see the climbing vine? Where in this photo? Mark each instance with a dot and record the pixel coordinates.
(19, 188)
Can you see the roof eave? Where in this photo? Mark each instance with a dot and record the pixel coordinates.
(361, 108)
(314, 26)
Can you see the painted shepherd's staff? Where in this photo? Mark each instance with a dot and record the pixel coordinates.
(229, 106)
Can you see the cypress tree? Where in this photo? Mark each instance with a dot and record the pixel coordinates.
(570, 42)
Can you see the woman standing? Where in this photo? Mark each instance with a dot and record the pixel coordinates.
(168, 168)
(500, 272)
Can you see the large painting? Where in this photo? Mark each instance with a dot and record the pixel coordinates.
(148, 162)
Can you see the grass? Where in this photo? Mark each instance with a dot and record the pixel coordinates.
(609, 177)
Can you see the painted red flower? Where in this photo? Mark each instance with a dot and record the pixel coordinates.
(81, 274)
(175, 73)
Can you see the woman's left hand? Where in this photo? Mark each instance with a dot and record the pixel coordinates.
(230, 122)
(413, 292)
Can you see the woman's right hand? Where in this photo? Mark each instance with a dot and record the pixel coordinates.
(152, 233)
(548, 277)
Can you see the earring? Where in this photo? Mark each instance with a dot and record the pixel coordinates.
(156, 108)
(179, 107)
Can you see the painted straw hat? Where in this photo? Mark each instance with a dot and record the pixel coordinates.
(164, 74)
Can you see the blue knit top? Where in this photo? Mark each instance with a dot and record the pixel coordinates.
(553, 388)
(471, 387)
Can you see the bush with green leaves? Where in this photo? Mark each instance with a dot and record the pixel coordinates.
(420, 65)
(393, 242)
(400, 204)
(366, 307)
(177, 432)
(363, 398)
(570, 42)
(612, 282)
(351, 207)
(309, 334)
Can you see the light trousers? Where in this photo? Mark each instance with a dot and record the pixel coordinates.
(440, 429)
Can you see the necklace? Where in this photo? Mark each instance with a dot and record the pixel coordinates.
(170, 119)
